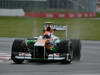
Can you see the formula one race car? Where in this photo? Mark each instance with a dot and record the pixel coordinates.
(46, 47)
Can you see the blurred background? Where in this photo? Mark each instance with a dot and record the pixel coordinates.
(81, 16)
(51, 5)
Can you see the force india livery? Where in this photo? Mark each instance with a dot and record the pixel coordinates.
(46, 47)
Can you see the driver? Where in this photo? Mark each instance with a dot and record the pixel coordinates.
(47, 33)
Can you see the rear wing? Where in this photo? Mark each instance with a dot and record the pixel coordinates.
(59, 27)
(62, 28)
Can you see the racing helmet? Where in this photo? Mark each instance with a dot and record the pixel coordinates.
(48, 24)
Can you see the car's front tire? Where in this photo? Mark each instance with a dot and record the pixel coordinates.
(64, 47)
(18, 46)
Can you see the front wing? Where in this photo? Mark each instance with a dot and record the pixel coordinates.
(27, 56)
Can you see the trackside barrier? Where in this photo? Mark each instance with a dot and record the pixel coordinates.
(62, 15)
(20, 12)
(12, 12)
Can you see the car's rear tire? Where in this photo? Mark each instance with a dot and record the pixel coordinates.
(18, 46)
(76, 47)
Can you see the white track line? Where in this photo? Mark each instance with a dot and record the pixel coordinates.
(4, 56)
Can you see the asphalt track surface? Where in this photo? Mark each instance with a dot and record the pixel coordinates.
(88, 65)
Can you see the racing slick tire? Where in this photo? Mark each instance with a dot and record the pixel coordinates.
(18, 46)
(76, 47)
(67, 52)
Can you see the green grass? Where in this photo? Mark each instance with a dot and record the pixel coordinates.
(16, 27)
(83, 28)
(98, 15)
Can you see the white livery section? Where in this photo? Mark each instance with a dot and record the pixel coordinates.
(40, 43)
(23, 57)
(55, 57)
